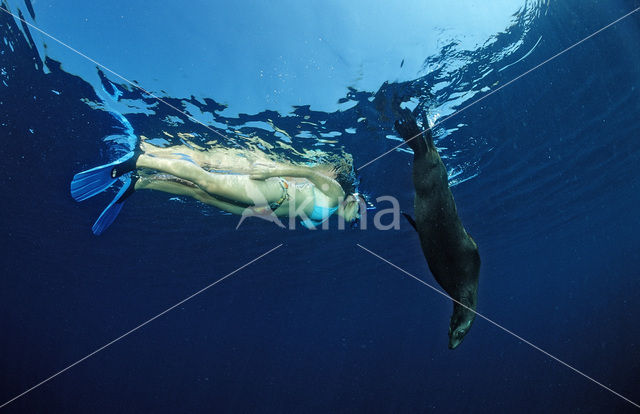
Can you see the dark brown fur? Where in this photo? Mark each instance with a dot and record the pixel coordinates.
(451, 253)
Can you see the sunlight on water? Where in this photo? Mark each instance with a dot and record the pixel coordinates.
(433, 78)
(290, 58)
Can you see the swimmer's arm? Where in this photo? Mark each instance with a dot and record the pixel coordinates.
(327, 185)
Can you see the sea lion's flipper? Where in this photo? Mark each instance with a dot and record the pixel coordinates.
(407, 127)
(410, 220)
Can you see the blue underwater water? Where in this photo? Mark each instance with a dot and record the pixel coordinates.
(543, 172)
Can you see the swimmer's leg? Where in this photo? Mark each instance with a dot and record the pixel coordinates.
(173, 152)
(112, 210)
(155, 182)
(234, 187)
(208, 159)
(110, 213)
(173, 185)
(94, 181)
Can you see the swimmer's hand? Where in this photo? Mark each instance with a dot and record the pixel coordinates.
(262, 170)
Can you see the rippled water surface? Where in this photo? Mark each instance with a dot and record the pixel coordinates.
(542, 167)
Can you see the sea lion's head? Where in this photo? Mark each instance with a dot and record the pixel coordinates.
(466, 294)
(461, 322)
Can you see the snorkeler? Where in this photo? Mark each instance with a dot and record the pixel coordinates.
(239, 183)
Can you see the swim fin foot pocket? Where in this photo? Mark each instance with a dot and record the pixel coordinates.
(94, 181)
(110, 213)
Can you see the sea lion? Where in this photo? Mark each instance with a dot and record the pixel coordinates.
(451, 253)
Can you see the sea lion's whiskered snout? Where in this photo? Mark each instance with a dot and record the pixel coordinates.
(460, 323)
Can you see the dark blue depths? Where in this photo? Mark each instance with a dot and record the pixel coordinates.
(319, 325)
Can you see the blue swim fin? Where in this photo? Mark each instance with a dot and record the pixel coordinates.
(110, 213)
(94, 181)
